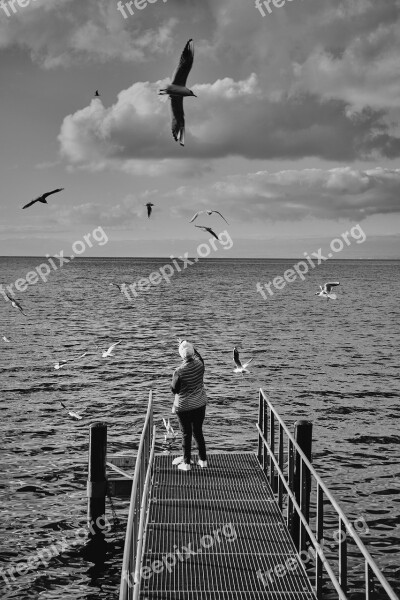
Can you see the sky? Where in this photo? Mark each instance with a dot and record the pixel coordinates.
(294, 135)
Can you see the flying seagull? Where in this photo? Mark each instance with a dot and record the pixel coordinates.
(43, 198)
(149, 208)
(72, 414)
(109, 352)
(170, 433)
(209, 212)
(62, 363)
(118, 286)
(208, 229)
(177, 90)
(5, 339)
(325, 292)
(15, 303)
(239, 367)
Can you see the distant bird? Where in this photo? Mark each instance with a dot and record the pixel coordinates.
(325, 292)
(239, 367)
(109, 352)
(15, 304)
(177, 90)
(97, 95)
(72, 414)
(209, 212)
(62, 363)
(149, 208)
(43, 198)
(5, 339)
(170, 433)
(208, 229)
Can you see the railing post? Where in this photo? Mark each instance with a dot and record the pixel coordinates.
(260, 425)
(320, 537)
(265, 434)
(97, 483)
(303, 437)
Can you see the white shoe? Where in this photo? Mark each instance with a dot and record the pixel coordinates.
(202, 463)
(177, 460)
(184, 466)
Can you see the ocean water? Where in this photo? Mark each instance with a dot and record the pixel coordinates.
(335, 363)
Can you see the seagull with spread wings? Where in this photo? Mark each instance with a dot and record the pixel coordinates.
(15, 304)
(149, 208)
(207, 229)
(208, 212)
(325, 292)
(239, 367)
(62, 363)
(42, 198)
(177, 90)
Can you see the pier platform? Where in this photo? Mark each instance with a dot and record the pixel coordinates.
(228, 517)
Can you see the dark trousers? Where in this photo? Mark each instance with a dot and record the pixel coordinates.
(191, 423)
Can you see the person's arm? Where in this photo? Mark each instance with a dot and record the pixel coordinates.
(175, 384)
(199, 355)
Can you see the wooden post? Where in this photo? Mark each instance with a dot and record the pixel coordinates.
(303, 437)
(97, 483)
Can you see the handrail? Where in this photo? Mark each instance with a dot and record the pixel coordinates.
(143, 515)
(142, 460)
(303, 523)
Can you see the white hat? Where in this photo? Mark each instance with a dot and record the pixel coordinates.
(186, 349)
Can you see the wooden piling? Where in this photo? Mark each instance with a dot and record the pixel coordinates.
(97, 483)
(302, 480)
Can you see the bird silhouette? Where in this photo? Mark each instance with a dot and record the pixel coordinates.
(42, 198)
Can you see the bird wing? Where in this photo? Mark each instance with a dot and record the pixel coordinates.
(247, 363)
(212, 233)
(178, 116)
(218, 213)
(52, 192)
(63, 405)
(195, 216)
(201, 227)
(185, 64)
(113, 346)
(148, 210)
(329, 286)
(30, 203)
(236, 358)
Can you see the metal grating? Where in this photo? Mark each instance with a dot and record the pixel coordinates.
(212, 533)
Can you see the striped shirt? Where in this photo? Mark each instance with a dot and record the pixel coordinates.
(187, 384)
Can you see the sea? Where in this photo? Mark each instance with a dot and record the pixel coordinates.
(335, 363)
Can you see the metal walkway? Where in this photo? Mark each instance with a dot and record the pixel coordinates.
(218, 533)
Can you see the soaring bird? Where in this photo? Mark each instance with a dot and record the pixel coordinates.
(239, 367)
(5, 339)
(109, 352)
(149, 208)
(15, 304)
(72, 414)
(97, 95)
(170, 433)
(208, 229)
(43, 198)
(325, 292)
(208, 212)
(177, 90)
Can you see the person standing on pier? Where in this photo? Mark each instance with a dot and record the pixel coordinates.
(190, 404)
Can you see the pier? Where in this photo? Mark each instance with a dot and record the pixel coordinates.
(250, 525)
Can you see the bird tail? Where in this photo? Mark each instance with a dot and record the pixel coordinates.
(182, 136)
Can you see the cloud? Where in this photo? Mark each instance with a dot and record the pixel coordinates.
(225, 120)
(340, 193)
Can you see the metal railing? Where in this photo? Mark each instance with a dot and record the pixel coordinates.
(137, 517)
(281, 475)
